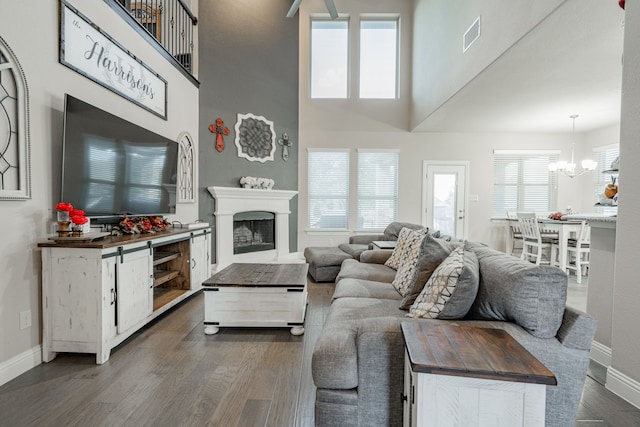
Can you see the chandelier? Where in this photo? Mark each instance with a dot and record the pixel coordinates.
(569, 168)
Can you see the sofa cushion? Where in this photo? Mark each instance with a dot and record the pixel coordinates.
(324, 262)
(334, 363)
(407, 248)
(518, 291)
(360, 288)
(432, 252)
(353, 249)
(392, 232)
(361, 270)
(451, 289)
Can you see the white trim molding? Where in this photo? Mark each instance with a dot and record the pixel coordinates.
(601, 354)
(20, 364)
(232, 200)
(624, 386)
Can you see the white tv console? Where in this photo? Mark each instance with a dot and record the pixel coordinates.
(96, 294)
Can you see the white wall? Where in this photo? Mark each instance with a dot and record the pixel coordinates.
(357, 123)
(31, 29)
(624, 378)
(440, 68)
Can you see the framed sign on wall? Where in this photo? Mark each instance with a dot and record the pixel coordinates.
(89, 51)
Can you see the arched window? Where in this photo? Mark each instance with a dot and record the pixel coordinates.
(186, 177)
(15, 157)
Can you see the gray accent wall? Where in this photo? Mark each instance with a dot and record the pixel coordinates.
(248, 63)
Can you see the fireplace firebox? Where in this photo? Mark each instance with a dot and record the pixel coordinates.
(253, 232)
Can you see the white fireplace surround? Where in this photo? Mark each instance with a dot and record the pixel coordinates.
(232, 200)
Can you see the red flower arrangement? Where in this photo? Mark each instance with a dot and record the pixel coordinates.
(64, 207)
(78, 217)
(66, 215)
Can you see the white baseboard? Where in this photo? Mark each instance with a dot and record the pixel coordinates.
(601, 354)
(20, 364)
(624, 386)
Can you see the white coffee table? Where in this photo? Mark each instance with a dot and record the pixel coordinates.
(256, 295)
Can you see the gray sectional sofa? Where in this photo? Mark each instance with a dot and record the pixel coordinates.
(357, 362)
(325, 261)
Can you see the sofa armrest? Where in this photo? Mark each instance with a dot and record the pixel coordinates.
(347, 351)
(375, 257)
(334, 364)
(577, 329)
(380, 345)
(365, 239)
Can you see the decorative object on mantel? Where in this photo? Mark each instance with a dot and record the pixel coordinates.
(285, 142)
(255, 138)
(569, 168)
(64, 218)
(220, 130)
(140, 225)
(260, 183)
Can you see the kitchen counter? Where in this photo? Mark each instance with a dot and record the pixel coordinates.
(595, 220)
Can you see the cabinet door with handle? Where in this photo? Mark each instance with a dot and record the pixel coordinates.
(199, 259)
(134, 287)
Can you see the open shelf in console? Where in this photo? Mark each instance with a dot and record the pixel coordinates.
(160, 257)
(171, 274)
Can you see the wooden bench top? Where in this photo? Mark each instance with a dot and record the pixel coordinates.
(260, 275)
(467, 351)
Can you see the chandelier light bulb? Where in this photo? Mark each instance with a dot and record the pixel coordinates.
(569, 168)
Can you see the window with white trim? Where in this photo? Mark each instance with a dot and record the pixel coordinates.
(377, 188)
(329, 56)
(522, 181)
(603, 175)
(328, 183)
(378, 58)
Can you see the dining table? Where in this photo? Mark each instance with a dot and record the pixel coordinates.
(564, 228)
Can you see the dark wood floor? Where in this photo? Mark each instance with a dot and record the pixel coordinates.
(171, 374)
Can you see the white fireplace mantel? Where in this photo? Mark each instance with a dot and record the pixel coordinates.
(232, 200)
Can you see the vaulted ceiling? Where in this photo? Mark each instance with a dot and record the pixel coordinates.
(571, 63)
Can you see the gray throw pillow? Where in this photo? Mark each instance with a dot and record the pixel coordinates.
(392, 231)
(518, 291)
(451, 289)
(432, 252)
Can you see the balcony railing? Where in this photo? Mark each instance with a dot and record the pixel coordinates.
(169, 22)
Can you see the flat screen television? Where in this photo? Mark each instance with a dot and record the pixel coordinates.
(113, 167)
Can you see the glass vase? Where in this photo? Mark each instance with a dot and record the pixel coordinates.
(77, 230)
(64, 224)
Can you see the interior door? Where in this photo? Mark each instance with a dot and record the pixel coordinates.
(445, 197)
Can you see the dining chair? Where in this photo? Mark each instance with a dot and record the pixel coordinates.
(533, 244)
(543, 231)
(515, 233)
(578, 251)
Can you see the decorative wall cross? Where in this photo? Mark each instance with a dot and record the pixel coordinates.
(220, 130)
(285, 142)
